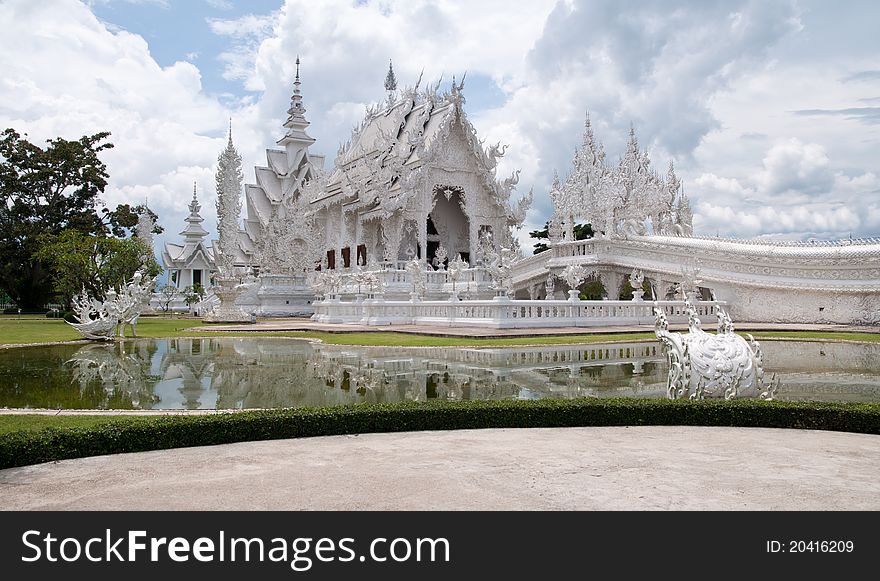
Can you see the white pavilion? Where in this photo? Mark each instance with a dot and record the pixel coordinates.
(192, 262)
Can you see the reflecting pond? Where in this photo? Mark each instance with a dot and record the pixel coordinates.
(264, 372)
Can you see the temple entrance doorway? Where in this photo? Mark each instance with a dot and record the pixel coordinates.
(448, 226)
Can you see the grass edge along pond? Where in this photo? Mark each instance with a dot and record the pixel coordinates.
(139, 434)
(35, 331)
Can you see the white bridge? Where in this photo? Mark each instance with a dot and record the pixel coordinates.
(828, 282)
(502, 312)
(825, 282)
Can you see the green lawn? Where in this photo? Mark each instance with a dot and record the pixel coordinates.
(16, 422)
(42, 330)
(867, 337)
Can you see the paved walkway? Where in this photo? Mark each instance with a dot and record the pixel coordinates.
(299, 324)
(635, 468)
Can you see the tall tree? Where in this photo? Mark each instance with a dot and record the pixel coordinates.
(93, 263)
(44, 191)
(581, 232)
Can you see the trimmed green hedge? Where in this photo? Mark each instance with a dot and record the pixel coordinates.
(161, 433)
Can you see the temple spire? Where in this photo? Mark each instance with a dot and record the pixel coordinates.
(193, 232)
(228, 180)
(296, 123)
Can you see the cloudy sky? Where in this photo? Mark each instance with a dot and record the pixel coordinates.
(770, 109)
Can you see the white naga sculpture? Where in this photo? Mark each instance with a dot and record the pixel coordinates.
(99, 320)
(712, 366)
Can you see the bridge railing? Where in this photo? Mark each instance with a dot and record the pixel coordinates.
(504, 313)
(575, 248)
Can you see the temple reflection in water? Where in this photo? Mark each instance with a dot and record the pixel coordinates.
(263, 372)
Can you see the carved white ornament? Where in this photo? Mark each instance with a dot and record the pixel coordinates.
(228, 181)
(99, 320)
(574, 275)
(620, 201)
(701, 365)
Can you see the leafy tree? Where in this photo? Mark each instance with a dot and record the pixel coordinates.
(193, 294)
(123, 220)
(592, 290)
(167, 294)
(44, 192)
(581, 232)
(95, 263)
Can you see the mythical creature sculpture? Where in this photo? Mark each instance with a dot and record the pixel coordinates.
(549, 286)
(456, 268)
(494, 153)
(498, 265)
(712, 366)
(574, 275)
(636, 280)
(416, 274)
(99, 320)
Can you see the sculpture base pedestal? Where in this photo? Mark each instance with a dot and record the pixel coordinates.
(231, 317)
(227, 311)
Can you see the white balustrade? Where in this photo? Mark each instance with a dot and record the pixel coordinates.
(506, 313)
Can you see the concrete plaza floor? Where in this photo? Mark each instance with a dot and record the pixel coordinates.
(610, 468)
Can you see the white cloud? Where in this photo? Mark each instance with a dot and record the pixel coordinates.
(794, 166)
(220, 4)
(65, 74)
(703, 83)
(796, 192)
(161, 3)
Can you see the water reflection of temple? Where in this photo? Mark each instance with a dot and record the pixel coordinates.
(241, 373)
(118, 369)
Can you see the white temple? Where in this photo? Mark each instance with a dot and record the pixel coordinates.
(190, 263)
(412, 225)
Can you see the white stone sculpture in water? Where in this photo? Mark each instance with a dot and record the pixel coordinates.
(702, 365)
(99, 321)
